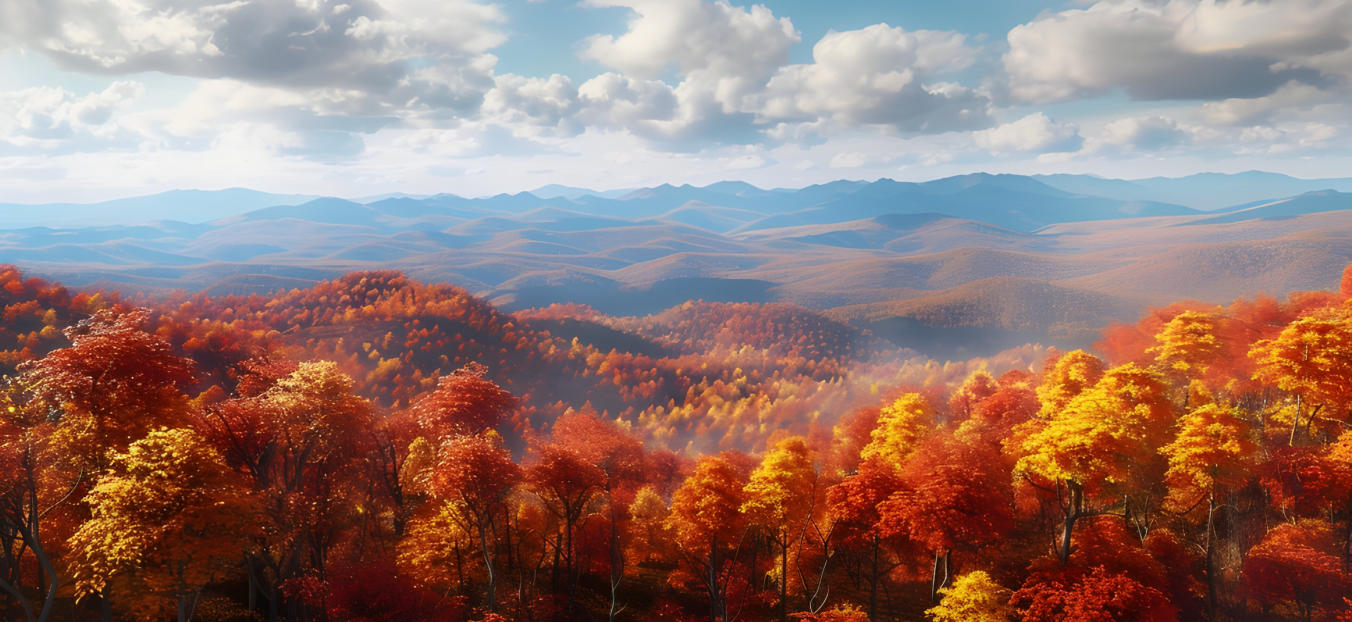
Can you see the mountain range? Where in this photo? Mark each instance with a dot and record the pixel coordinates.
(950, 267)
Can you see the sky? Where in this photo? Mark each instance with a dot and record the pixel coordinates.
(109, 98)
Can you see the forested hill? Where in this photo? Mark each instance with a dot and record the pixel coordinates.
(374, 448)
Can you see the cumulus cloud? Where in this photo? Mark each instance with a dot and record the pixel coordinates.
(721, 55)
(1257, 110)
(723, 50)
(301, 77)
(538, 102)
(879, 75)
(611, 100)
(1179, 49)
(1146, 133)
(1286, 138)
(54, 120)
(430, 53)
(1033, 133)
(320, 124)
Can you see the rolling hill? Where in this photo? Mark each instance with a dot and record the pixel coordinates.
(903, 259)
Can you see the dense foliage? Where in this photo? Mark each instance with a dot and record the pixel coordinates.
(378, 449)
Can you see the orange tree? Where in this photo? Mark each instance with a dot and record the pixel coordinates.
(708, 524)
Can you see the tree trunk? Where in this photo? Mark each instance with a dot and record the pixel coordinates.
(185, 607)
(1211, 558)
(948, 569)
(491, 600)
(1066, 530)
(1295, 423)
(712, 581)
(568, 558)
(873, 583)
(938, 582)
(784, 578)
(1075, 511)
(616, 560)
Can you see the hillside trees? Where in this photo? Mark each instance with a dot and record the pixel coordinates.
(280, 486)
(69, 412)
(1099, 449)
(781, 499)
(953, 495)
(1208, 457)
(472, 477)
(1312, 359)
(167, 518)
(709, 527)
(298, 440)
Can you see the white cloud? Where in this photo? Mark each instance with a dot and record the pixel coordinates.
(1035, 132)
(722, 56)
(54, 120)
(878, 76)
(1179, 49)
(611, 100)
(729, 51)
(1291, 96)
(392, 53)
(406, 94)
(1285, 138)
(1146, 133)
(539, 102)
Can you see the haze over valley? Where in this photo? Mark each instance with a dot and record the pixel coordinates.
(964, 265)
(677, 310)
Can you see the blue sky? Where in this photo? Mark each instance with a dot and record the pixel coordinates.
(103, 98)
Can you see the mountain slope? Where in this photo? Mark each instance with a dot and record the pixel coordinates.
(1308, 203)
(1205, 191)
(193, 206)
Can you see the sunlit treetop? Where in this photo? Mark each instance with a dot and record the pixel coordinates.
(1071, 374)
(900, 426)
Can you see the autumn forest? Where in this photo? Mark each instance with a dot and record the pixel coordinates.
(374, 448)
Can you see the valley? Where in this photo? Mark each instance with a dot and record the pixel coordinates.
(952, 268)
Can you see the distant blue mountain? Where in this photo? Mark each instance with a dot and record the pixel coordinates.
(1023, 203)
(1011, 201)
(1308, 203)
(1204, 191)
(554, 191)
(193, 206)
(326, 210)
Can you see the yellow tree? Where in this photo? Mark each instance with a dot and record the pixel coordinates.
(1311, 358)
(1074, 372)
(1100, 446)
(900, 426)
(651, 530)
(31, 484)
(1210, 454)
(973, 597)
(166, 519)
(779, 499)
(1186, 348)
(435, 546)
